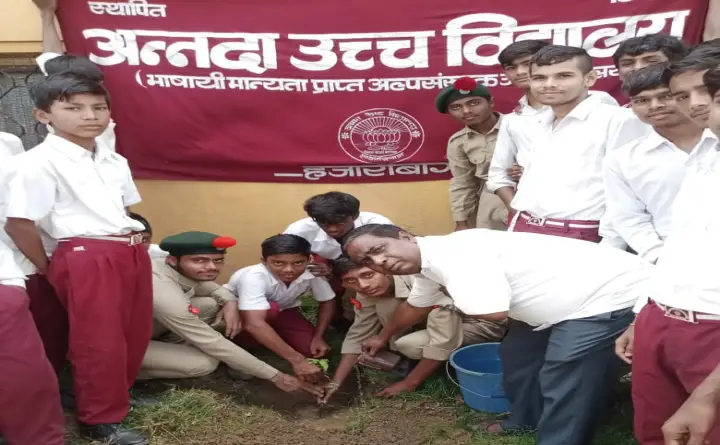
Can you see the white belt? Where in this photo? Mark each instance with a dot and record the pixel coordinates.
(684, 314)
(130, 240)
(537, 221)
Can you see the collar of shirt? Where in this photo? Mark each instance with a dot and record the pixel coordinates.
(74, 151)
(580, 113)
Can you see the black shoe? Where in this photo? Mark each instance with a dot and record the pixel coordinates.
(67, 399)
(112, 434)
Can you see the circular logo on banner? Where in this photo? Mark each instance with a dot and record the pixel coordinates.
(381, 135)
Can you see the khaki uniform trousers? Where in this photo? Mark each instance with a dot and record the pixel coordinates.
(169, 358)
(446, 331)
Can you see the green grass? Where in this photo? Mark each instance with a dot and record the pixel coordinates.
(432, 415)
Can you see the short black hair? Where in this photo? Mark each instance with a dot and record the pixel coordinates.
(141, 219)
(285, 244)
(332, 207)
(379, 230)
(711, 79)
(62, 86)
(520, 49)
(343, 265)
(554, 54)
(648, 78)
(673, 48)
(700, 59)
(79, 65)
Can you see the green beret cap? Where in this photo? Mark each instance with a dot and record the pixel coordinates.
(463, 87)
(196, 243)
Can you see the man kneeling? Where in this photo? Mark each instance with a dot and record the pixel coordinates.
(186, 301)
(378, 296)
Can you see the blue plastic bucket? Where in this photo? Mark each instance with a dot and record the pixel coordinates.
(479, 375)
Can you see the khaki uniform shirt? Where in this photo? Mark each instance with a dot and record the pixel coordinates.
(173, 296)
(469, 155)
(445, 330)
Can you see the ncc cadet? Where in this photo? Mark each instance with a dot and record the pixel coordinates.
(469, 153)
(377, 297)
(186, 301)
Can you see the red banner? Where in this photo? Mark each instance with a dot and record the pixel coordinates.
(324, 90)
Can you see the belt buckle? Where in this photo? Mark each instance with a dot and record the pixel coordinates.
(135, 239)
(680, 314)
(535, 221)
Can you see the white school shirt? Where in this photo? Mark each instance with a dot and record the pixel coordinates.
(512, 149)
(256, 287)
(69, 191)
(10, 145)
(686, 275)
(565, 177)
(540, 280)
(641, 182)
(10, 272)
(107, 138)
(156, 253)
(323, 244)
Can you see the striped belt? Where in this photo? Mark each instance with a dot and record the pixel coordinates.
(684, 314)
(540, 222)
(130, 239)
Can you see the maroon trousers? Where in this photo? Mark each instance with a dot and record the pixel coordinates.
(106, 288)
(50, 318)
(289, 324)
(670, 359)
(30, 411)
(565, 231)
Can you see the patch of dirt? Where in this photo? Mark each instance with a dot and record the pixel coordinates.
(257, 392)
(297, 419)
(379, 426)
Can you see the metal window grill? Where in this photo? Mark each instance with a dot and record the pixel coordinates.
(17, 75)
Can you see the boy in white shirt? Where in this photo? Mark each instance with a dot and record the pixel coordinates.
(574, 295)
(643, 51)
(685, 78)
(30, 411)
(673, 345)
(10, 145)
(54, 61)
(512, 152)
(78, 192)
(269, 300)
(331, 216)
(643, 177)
(561, 193)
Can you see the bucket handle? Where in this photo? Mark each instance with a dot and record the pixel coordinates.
(447, 371)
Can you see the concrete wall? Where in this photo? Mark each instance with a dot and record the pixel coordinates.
(248, 211)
